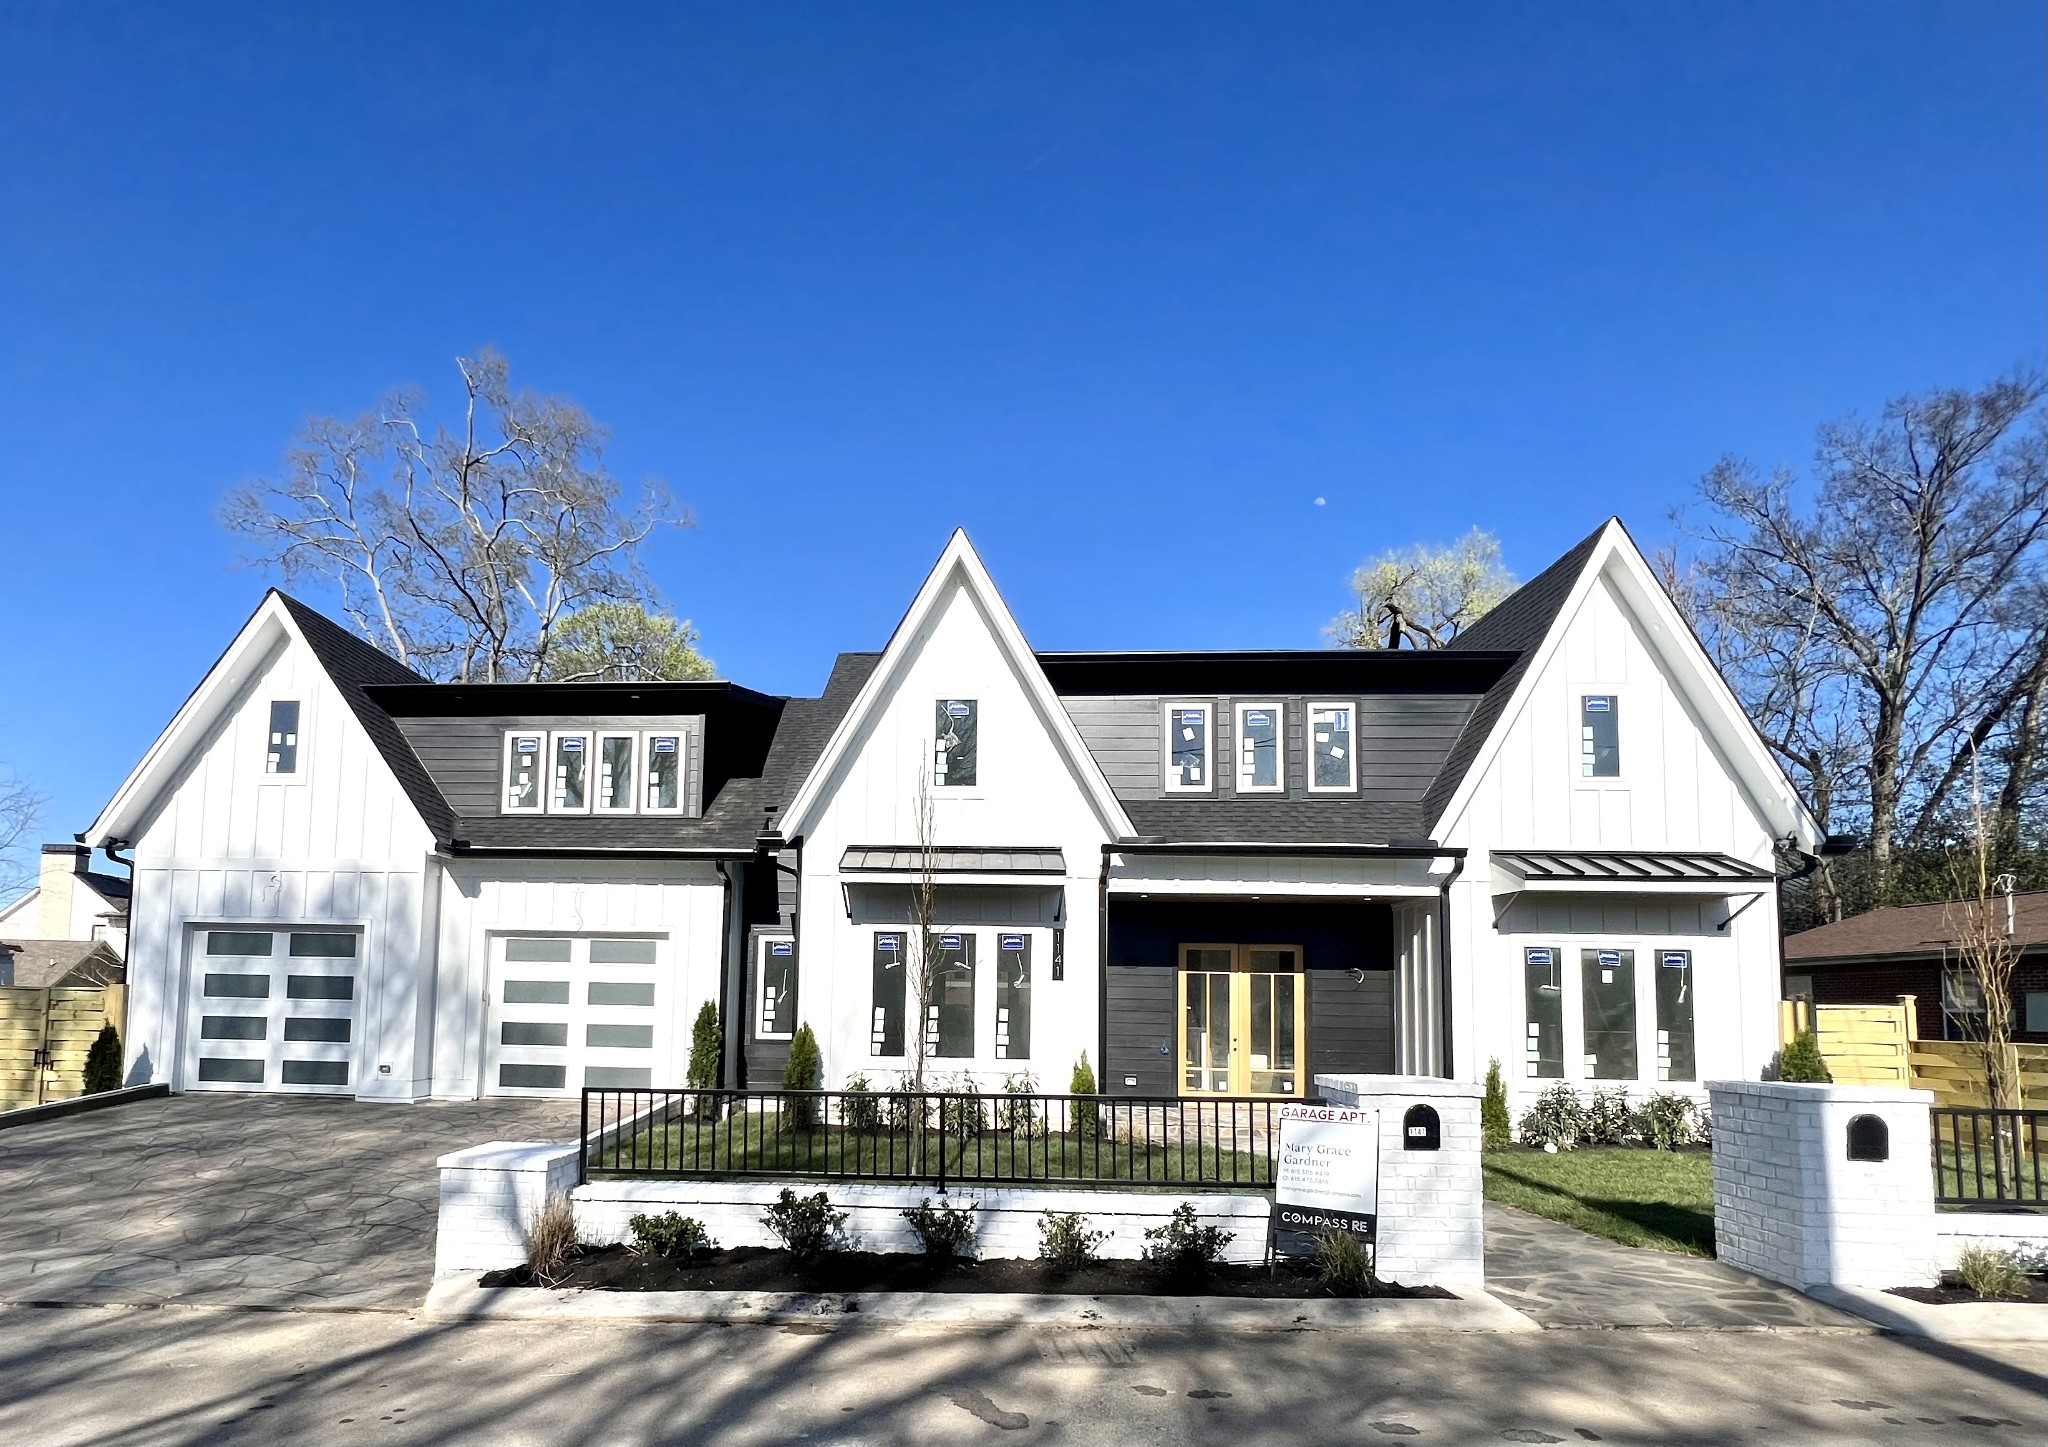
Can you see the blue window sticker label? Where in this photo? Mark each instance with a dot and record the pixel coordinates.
(949, 942)
(891, 944)
(957, 709)
(1598, 704)
(664, 746)
(1013, 942)
(572, 746)
(1676, 959)
(1257, 716)
(1537, 957)
(1610, 957)
(529, 746)
(781, 947)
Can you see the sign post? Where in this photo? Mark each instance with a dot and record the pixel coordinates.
(1328, 1175)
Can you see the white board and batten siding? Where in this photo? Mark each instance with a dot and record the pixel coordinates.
(335, 844)
(1675, 791)
(1027, 793)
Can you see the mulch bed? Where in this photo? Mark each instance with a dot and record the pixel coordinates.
(758, 1268)
(1952, 1292)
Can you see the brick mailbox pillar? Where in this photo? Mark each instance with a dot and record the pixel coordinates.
(1824, 1185)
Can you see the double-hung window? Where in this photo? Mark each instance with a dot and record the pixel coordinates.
(1332, 757)
(616, 776)
(955, 740)
(1188, 744)
(1599, 736)
(525, 762)
(1261, 748)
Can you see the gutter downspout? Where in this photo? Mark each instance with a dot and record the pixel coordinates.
(1102, 975)
(110, 848)
(729, 957)
(1443, 959)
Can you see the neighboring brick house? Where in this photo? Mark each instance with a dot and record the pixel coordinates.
(1873, 958)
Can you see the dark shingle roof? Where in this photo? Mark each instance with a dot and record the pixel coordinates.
(1274, 821)
(353, 664)
(38, 964)
(1518, 624)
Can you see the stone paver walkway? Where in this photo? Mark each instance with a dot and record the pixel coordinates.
(240, 1199)
(1563, 1277)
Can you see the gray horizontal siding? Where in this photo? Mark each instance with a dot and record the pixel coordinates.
(1402, 741)
(1350, 1021)
(1138, 1019)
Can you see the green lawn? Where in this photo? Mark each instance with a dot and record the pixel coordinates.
(767, 1144)
(1660, 1199)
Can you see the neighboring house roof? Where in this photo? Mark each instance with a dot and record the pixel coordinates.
(1914, 931)
(64, 964)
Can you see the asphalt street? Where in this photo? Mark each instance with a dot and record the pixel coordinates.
(136, 1377)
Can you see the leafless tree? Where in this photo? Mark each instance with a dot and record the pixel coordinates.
(1423, 596)
(1979, 916)
(922, 974)
(458, 551)
(21, 804)
(1890, 625)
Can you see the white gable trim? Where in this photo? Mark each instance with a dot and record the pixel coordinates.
(959, 558)
(268, 627)
(1756, 770)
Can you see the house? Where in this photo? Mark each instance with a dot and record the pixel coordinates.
(1218, 873)
(70, 901)
(58, 964)
(1910, 949)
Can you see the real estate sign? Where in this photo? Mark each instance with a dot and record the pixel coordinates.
(1328, 1174)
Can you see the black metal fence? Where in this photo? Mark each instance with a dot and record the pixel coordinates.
(936, 1136)
(1990, 1157)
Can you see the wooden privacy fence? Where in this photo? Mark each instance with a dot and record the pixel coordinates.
(44, 1035)
(1878, 1045)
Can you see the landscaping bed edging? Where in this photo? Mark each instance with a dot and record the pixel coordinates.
(1981, 1321)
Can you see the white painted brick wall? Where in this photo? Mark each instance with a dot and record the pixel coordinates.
(1006, 1217)
(2024, 1234)
(489, 1195)
(1432, 1224)
(1790, 1205)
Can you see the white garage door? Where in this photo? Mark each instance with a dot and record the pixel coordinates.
(273, 1009)
(570, 1011)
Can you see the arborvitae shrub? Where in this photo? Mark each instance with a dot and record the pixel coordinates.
(103, 1062)
(1495, 1129)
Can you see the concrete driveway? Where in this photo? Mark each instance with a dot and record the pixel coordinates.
(239, 1199)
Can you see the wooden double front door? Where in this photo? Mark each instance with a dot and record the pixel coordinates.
(1242, 1011)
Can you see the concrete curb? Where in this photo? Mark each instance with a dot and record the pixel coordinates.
(79, 1104)
(1971, 1321)
(459, 1298)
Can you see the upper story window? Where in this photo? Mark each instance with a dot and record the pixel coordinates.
(1261, 749)
(523, 763)
(1332, 760)
(604, 771)
(1599, 736)
(1187, 748)
(281, 755)
(955, 733)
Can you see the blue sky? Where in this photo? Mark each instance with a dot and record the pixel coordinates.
(1121, 289)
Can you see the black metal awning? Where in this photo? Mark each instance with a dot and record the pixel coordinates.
(1608, 870)
(910, 859)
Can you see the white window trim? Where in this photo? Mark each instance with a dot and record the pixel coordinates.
(1243, 776)
(634, 782)
(540, 804)
(1167, 772)
(761, 943)
(555, 736)
(1580, 692)
(1308, 742)
(643, 766)
(298, 774)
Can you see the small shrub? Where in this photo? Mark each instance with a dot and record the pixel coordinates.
(1495, 1129)
(1609, 1121)
(962, 1112)
(1087, 1117)
(707, 1042)
(1557, 1120)
(1993, 1275)
(901, 1109)
(1017, 1112)
(1183, 1247)
(1801, 1061)
(1670, 1121)
(670, 1234)
(103, 1062)
(1343, 1263)
(801, 1073)
(551, 1239)
(807, 1226)
(860, 1108)
(944, 1231)
(1064, 1243)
